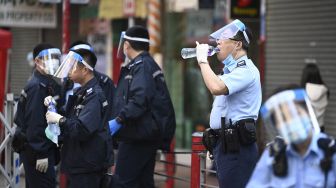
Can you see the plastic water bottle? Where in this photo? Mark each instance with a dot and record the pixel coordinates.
(187, 53)
(52, 108)
(53, 130)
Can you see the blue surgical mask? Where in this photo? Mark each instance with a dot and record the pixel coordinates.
(298, 129)
(229, 60)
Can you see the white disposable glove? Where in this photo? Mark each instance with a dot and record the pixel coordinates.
(53, 117)
(202, 52)
(48, 100)
(42, 165)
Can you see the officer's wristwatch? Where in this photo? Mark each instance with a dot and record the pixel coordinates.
(62, 121)
(118, 120)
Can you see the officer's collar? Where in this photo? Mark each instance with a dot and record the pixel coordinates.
(88, 85)
(232, 66)
(44, 79)
(137, 59)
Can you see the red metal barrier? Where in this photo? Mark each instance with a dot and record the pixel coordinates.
(170, 167)
(196, 147)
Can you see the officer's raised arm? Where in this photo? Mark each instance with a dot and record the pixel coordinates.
(215, 85)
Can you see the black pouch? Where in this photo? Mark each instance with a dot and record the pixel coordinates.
(209, 140)
(19, 141)
(231, 140)
(247, 132)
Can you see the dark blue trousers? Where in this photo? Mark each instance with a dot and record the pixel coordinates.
(235, 169)
(85, 180)
(135, 165)
(35, 178)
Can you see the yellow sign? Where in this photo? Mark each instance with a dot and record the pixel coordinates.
(114, 9)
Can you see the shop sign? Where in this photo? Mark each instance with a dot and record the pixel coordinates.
(19, 13)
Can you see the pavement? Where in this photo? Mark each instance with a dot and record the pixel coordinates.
(183, 172)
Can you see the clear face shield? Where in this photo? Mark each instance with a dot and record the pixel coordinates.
(49, 60)
(290, 115)
(229, 31)
(123, 37)
(69, 64)
(120, 52)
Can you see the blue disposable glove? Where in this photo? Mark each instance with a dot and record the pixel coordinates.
(114, 126)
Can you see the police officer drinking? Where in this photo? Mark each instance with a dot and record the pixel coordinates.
(37, 152)
(83, 127)
(235, 150)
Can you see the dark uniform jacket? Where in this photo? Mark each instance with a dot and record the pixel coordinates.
(30, 114)
(85, 131)
(108, 88)
(133, 100)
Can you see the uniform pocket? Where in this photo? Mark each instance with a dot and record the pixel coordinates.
(280, 182)
(317, 179)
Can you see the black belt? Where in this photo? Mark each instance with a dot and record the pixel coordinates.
(237, 123)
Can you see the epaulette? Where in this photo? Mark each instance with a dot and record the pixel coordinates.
(241, 63)
(103, 79)
(158, 73)
(42, 84)
(132, 65)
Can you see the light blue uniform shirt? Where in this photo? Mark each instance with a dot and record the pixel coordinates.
(219, 107)
(303, 171)
(242, 79)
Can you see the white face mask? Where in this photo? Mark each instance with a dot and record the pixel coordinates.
(127, 60)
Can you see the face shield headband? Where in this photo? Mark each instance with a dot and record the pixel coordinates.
(229, 31)
(123, 38)
(290, 115)
(50, 60)
(69, 63)
(82, 46)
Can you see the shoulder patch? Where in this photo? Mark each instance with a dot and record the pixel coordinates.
(156, 73)
(105, 103)
(24, 94)
(89, 91)
(241, 63)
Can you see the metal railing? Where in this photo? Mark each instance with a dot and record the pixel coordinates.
(9, 167)
(197, 168)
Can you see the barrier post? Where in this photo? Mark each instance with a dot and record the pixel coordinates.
(197, 147)
(170, 167)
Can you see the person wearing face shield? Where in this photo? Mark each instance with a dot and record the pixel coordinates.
(239, 90)
(37, 152)
(84, 125)
(105, 82)
(136, 112)
(299, 155)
